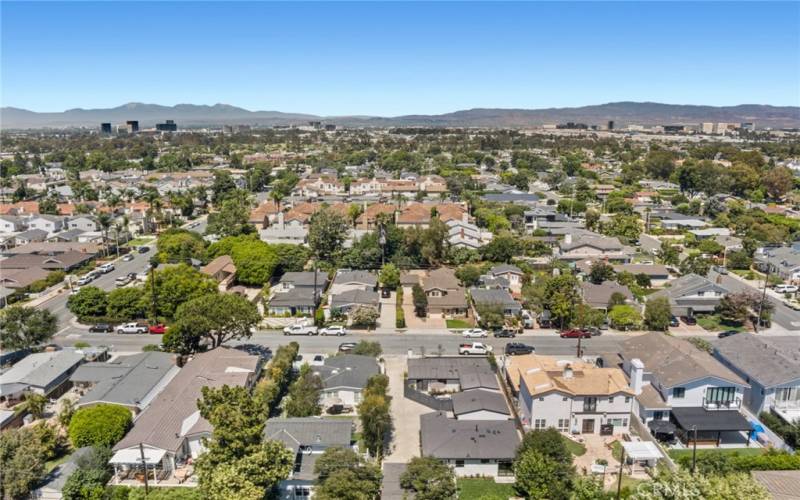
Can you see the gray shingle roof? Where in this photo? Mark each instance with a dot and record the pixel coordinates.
(493, 297)
(126, 381)
(448, 438)
(689, 284)
(355, 297)
(477, 400)
(305, 278)
(296, 297)
(308, 431)
(41, 369)
(768, 363)
(347, 370)
(600, 295)
(366, 277)
(472, 373)
(673, 361)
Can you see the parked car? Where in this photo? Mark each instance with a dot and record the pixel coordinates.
(689, 320)
(158, 329)
(575, 333)
(122, 280)
(721, 269)
(143, 249)
(337, 330)
(593, 331)
(128, 257)
(75, 290)
(794, 306)
(131, 328)
(300, 330)
(102, 328)
(784, 288)
(106, 268)
(545, 319)
(673, 322)
(474, 348)
(516, 348)
(86, 279)
(347, 346)
(727, 333)
(474, 333)
(505, 332)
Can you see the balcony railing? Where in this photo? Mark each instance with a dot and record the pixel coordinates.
(789, 404)
(733, 404)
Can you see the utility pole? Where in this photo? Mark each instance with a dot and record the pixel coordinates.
(579, 353)
(763, 298)
(144, 462)
(153, 265)
(694, 448)
(619, 479)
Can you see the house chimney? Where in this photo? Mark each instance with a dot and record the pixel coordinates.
(465, 217)
(568, 371)
(568, 239)
(637, 374)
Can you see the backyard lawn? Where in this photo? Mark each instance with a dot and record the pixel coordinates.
(575, 448)
(712, 322)
(484, 489)
(139, 241)
(458, 323)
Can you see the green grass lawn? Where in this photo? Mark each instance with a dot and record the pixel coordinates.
(576, 449)
(458, 323)
(140, 241)
(483, 489)
(52, 464)
(616, 450)
(712, 322)
(676, 454)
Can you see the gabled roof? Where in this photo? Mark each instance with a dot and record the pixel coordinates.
(675, 362)
(505, 268)
(478, 400)
(600, 295)
(221, 263)
(42, 369)
(367, 278)
(604, 243)
(447, 438)
(471, 373)
(770, 364)
(347, 370)
(309, 431)
(305, 278)
(689, 284)
(442, 278)
(545, 374)
(493, 297)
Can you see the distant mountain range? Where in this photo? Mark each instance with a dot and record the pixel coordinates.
(623, 113)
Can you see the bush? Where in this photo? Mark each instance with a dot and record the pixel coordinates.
(400, 316)
(101, 425)
(89, 301)
(714, 462)
(790, 433)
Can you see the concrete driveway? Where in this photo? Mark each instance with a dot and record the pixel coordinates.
(388, 312)
(405, 414)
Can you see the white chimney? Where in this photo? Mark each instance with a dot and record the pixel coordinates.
(568, 239)
(637, 374)
(568, 371)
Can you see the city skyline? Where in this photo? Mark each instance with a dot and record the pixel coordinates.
(340, 59)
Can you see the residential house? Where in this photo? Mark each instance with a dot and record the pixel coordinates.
(658, 273)
(772, 368)
(514, 196)
(289, 228)
(54, 248)
(344, 378)
(170, 431)
(480, 404)
(592, 247)
(264, 214)
(451, 374)
(221, 269)
(365, 187)
(11, 224)
(536, 216)
(55, 480)
(307, 438)
(84, 223)
(129, 381)
(570, 395)
(46, 373)
(445, 295)
(30, 236)
(470, 447)
(691, 294)
(781, 261)
(677, 383)
(369, 217)
(351, 289)
(297, 293)
(20, 208)
(21, 278)
(61, 262)
(72, 235)
(49, 223)
(599, 296)
(494, 298)
(511, 273)
(462, 234)
(675, 221)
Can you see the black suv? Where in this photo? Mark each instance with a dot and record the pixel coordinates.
(505, 333)
(102, 328)
(515, 348)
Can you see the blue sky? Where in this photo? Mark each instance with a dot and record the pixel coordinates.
(397, 58)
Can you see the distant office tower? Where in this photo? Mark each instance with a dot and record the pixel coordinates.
(671, 129)
(330, 126)
(133, 126)
(105, 128)
(610, 124)
(707, 127)
(168, 126)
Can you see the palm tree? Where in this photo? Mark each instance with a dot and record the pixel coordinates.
(104, 220)
(34, 404)
(276, 196)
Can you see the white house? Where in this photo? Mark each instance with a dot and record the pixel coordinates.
(49, 223)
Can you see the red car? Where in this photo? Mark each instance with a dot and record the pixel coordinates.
(158, 329)
(575, 333)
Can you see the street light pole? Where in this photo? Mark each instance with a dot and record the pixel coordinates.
(763, 298)
(144, 463)
(694, 448)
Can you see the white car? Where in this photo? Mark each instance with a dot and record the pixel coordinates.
(131, 328)
(474, 333)
(75, 290)
(783, 288)
(128, 257)
(85, 280)
(336, 330)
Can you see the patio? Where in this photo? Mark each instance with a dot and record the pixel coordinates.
(132, 466)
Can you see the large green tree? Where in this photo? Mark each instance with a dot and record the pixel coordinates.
(326, 233)
(99, 425)
(180, 245)
(22, 461)
(304, 394)
(216, 318)
(342, 474)
(657, 314)
(429, 479)
(89, 301)
(24, 327)
(175, 285)
(125, 304)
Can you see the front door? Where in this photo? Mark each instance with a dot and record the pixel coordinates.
(588, 426)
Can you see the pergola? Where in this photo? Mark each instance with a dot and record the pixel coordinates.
(642, 452)
(708, 425)
(131, 458)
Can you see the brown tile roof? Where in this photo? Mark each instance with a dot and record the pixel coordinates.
(262, 211)
(544, 374)
(221, 263)
(21, 207)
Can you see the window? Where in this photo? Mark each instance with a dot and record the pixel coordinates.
(485, 460)
(627, 399)
(541, 399)
(459, 463)
(611, 400)
(720, 395)
(563, 424)
(679, 392)
(658, 415)
(590, 404)
(539, 424)
(564, 398)
(624, 422)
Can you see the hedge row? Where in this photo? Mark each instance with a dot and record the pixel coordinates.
(400, 317)
(277, 376)
(790, 433)
(725, 463)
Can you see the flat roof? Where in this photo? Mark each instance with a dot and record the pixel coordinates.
(714, 420)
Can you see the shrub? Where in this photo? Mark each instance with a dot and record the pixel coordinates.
(101, 425)
(790, 433)
(400, 316)
(720, 463)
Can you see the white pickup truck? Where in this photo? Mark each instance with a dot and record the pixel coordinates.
(131, 328)
(300, 330)
(474, 348)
